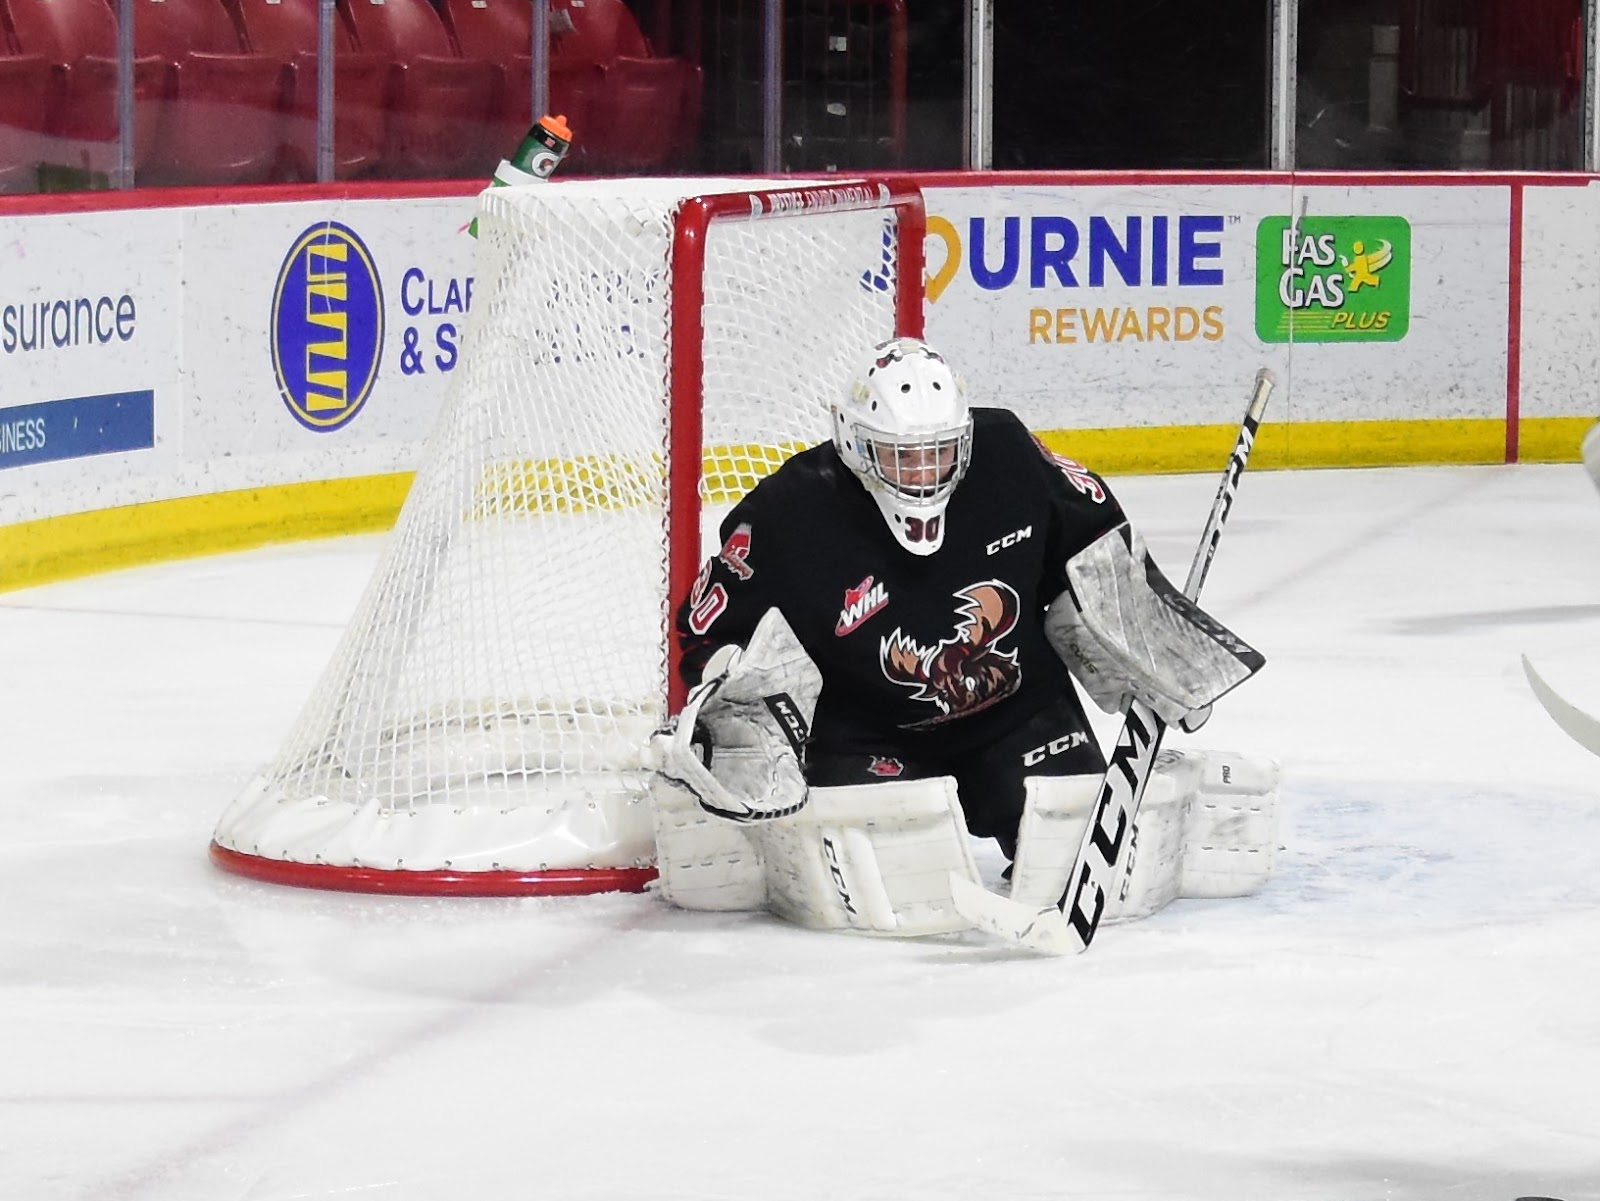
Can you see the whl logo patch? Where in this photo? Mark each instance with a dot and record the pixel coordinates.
(1334, 279)
(860, 603)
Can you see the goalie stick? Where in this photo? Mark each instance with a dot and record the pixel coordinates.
(1069, 925)
(1574, 722)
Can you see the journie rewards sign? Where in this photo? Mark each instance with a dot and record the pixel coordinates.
(1333, 279)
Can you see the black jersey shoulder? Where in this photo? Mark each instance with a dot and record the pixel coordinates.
(820, 466)
(1004, 452)
(999, 427)
(810, 484)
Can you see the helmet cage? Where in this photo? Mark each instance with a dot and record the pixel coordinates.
(897, 463)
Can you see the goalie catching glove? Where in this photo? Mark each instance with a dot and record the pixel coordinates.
(738, 742)
(1125, 632)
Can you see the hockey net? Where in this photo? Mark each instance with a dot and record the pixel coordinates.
(636, 350)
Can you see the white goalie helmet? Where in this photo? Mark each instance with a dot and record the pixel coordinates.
(905, 430)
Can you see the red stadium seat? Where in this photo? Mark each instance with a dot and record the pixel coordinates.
(78, 39)
(595, 31)
(649, 108)
(24, 86)
(628, 110)
(221, 119)
(440, 100)
(576, 92)
(287, 29)
(497, 32)
(643, 111)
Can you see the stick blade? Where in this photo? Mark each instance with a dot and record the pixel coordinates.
(1043, 931)
(1574, 722)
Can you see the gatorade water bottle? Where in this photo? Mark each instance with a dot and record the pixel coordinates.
(536, 158)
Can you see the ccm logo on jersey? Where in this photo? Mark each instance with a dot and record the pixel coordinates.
(1011, 539)
(1054, 747)
(860, 603)
(882, 766)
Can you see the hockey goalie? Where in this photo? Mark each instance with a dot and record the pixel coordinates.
(882, 657)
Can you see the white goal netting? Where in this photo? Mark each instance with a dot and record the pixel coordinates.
(481, 725)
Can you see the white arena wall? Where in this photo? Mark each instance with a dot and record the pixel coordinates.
(162, 392)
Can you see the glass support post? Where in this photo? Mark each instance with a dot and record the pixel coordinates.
(1591, 86)
(326, 15)
(125, 147)
(772, 87)
(1285, 24)
(979, 123)
(539, 55)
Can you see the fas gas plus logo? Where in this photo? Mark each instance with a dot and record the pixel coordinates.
(1095, 277)
(1333, 279)
(327, 326)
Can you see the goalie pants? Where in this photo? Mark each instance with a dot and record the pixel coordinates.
(1055, 741)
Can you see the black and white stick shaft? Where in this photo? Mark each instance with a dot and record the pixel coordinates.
(1094, 872)
(1265, 381)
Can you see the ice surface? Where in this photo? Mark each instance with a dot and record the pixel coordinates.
(1408, 1011)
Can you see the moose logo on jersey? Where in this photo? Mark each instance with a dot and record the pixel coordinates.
(968, 671)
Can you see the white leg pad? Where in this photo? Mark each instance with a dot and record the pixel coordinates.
(1207, 827)
(1055, 815)
(872, 857)
(704, 862)
(1231, 844)
(1152, 871)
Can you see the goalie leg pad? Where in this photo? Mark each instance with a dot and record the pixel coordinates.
(1054, 819)
(1207, 827)
(870, 857)
(704, 862)
(1231, 844)
(1152, 872)
(1055, 814)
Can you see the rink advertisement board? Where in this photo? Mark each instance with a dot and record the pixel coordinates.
(1126, 305)
(1558, 304)
(322, 342)
(276, 363)
(91, 379)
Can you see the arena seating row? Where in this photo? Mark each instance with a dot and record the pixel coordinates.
(225, 91)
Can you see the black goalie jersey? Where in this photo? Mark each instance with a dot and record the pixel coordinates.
(933, 654)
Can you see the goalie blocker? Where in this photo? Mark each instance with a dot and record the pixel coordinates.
(1125, 632)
